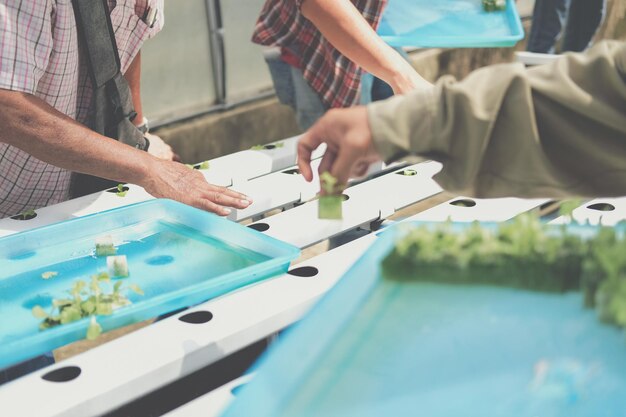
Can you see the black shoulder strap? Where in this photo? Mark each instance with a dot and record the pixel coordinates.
(112, 104)
(95, 28)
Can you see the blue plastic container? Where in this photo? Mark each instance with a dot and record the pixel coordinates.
(449, 24)
(375, 347)
(178, 255)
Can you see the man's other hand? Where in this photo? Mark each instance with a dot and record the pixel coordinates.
(350, 149)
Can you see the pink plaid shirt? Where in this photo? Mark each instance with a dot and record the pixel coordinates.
(39, 55)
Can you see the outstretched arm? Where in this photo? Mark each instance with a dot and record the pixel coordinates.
(551, 131)
(345, 28)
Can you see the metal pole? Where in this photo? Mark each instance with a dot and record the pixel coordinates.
(216, 42)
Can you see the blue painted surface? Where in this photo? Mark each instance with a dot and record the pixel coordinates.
(374, 347)
(178, 255)
(449, 24)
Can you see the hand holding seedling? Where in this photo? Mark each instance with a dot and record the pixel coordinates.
(175, 181)
(350, 149)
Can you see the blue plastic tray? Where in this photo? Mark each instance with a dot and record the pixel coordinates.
(177, 254)
(449, 24)
(376, 347)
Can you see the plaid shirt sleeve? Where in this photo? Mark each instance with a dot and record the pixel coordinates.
(335, 78)
(25, 44)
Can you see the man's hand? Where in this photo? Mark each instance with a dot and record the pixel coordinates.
(160, 149)
(350, 149)
(177, 182)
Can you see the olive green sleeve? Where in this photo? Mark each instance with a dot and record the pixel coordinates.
(549, 131)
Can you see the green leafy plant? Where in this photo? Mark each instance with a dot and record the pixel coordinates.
(26, 215)
(331, 200)
(523, 253)
(117, 266)
(105, 246)
(49, 274)
(121, 190)
(494, 5)
(204, 165)
(86, 300)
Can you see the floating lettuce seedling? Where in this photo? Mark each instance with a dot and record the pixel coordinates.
(26, 215)
(117, 266)
(202, 165)
(494, 5)
(330, 202)
(121, 190)
(49, 274)
(85, 301)
(105, 246)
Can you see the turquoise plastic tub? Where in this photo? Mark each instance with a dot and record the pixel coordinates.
(449, 24)
(375, 347)
(178, 255)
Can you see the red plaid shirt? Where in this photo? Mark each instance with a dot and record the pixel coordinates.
(39, 55)
(333, 76)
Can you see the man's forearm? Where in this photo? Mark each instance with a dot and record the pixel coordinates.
(550, 131)
(346, 29)
(35, 127)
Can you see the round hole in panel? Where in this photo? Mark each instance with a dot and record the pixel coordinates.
(65, 374)
(160, 260)
(269, 146)
(197, 317)
(25, 216)
(464, 202)
(304, 271)
(259, 227)
(115, 190)
(345, 197)
(294, 171)
(601, 207)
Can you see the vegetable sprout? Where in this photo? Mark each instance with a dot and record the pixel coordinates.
(26, 215)
(494, 5)
(105, 246)
(121, 191)
(117, 266)
(276, 145)
(85, 300)
(523, 253)
(330, 202)
(49, 274)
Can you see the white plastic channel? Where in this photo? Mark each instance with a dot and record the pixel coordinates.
(136, 364)
(369, 201)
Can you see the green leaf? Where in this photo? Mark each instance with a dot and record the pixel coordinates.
(49, 274)
(104, 309)
(94, 330)
(204, 165)
(136, 289)
(39, 312)
(70, 314)
(258, 147)
(330, 207)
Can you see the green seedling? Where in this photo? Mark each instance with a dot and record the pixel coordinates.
(331, 201)
(121, 192)
(494, 5)
(26, 215)
(49, 274)
(105, 246)
(117, 266)
(86, 300)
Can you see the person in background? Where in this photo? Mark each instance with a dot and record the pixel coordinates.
(574, 21)
(550, 131)
(45, 97)
(323, 46)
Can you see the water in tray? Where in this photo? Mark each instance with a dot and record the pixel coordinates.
(162, 257)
